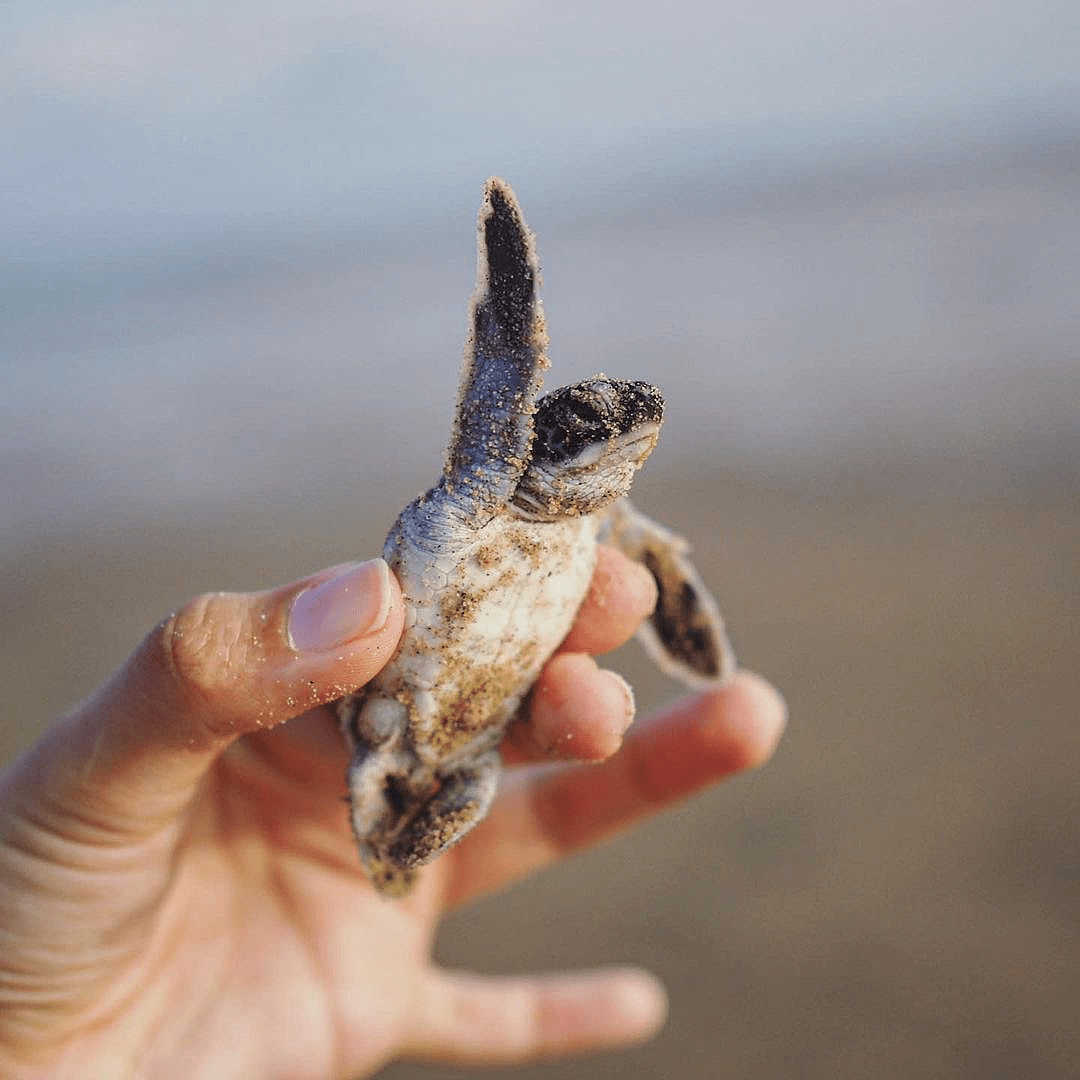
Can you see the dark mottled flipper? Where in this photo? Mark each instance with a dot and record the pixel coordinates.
(394, 837)
(685, 633)
(388, 878)
(377, 776)
(463, 799)
(504, 360)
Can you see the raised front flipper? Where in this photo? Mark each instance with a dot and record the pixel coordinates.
(685, 633)
(504, 361)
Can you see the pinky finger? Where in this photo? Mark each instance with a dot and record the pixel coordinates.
(467, 1019)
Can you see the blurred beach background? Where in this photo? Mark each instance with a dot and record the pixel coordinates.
(843, 236)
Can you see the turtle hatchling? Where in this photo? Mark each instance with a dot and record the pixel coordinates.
(494, 562)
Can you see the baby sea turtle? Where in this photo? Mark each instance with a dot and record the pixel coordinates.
(494, 562)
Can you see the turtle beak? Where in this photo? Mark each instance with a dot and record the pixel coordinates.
(639, 442)
(643, 406)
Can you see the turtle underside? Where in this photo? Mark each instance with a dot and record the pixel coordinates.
(494, 562)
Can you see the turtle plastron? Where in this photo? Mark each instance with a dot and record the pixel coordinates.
(494, 562)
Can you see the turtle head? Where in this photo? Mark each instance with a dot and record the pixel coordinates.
(591, 438)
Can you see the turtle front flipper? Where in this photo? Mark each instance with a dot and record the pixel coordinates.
(685, 634)
(504, 361)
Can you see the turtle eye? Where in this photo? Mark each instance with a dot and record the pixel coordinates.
(568, 422)
(583, 425)
(583, 411)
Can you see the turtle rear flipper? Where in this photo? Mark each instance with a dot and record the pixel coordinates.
(685, 634)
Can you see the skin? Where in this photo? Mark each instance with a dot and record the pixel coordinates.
(180, 893)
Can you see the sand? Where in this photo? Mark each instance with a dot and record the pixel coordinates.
(896, 895)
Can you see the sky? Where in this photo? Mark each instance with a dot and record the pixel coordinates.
(151, 131)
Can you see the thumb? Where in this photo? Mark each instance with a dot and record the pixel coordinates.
(224, 665)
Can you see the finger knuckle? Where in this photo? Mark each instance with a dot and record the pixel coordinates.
(198, 644)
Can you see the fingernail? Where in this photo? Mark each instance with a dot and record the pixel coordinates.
(627, 692)
(640, 1003)
(647, 584)
(354, 602)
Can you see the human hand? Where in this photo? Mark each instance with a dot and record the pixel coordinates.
(179, 890)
